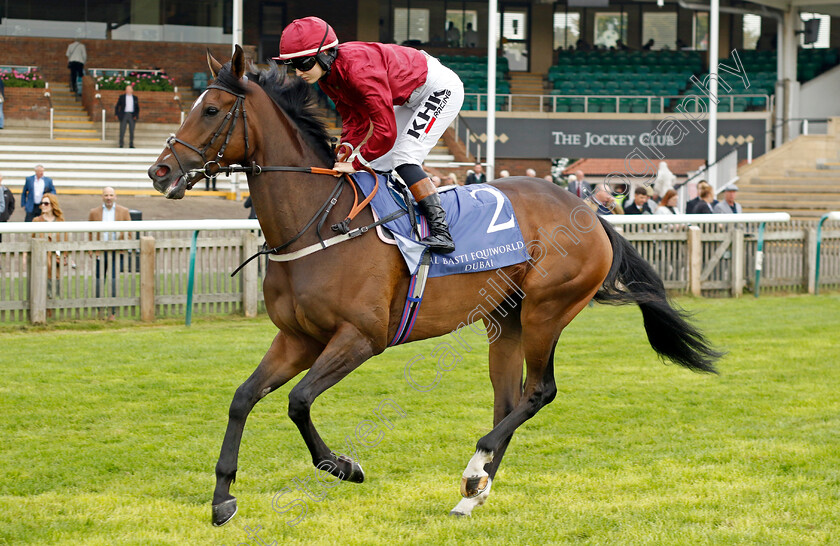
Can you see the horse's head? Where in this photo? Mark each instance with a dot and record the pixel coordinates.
(214, 133)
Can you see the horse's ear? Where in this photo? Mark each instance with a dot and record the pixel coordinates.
(214, 65)
(237, 62)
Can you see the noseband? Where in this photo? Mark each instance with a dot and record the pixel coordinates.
(212, 168)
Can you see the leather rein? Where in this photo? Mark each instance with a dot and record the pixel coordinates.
(213, 167)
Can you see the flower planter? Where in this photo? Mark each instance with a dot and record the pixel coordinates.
(155, 106)
(26, 103)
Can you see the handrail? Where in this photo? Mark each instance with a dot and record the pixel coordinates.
(52, 111)
(14, 68)
(834, 215)
(177, 99)
(544, 100)
(138, 225)
(98, 97)
(645, 219)
(125, 71)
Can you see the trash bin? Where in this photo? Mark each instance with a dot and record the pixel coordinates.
(136, 215)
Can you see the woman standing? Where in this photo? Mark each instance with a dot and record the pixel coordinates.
(51, 212)
(668, 204)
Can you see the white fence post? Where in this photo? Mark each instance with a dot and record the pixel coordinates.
(250, 278)
(38, 281)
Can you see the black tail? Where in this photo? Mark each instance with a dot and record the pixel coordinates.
(632, 280)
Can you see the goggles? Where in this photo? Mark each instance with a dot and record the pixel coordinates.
(304, 64)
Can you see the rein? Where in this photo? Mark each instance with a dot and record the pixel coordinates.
(213, 167)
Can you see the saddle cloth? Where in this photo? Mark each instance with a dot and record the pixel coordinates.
(480, 219)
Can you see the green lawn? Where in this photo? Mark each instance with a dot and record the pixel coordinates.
(111, 434)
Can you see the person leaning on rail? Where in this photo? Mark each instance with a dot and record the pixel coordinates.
(409, 97)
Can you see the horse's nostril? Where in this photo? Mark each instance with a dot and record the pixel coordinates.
(162, 170)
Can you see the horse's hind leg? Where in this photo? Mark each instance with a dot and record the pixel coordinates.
(506, 358)
(286, 357)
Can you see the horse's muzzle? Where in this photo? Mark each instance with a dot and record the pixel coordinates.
(167, 183)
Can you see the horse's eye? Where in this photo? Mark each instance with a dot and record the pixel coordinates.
(211, 111)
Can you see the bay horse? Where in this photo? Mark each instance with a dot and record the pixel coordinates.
(334, 310)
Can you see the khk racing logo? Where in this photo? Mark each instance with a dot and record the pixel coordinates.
(428, 113)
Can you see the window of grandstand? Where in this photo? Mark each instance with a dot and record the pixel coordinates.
(661, 27)
(610, 28)
(411, 25)
(822, 36)
(513, 26)
(566, 29)
(701, 31)
(460, 19)
(751, 26)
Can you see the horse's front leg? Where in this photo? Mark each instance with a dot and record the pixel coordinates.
(345, 352)
(286, 358)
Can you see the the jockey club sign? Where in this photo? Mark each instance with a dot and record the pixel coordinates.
(600, 138)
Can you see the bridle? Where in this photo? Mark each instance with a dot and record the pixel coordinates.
(213, 167)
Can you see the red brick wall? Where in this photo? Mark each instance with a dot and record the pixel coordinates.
(180, 60)
(155, 106)
(23, 103)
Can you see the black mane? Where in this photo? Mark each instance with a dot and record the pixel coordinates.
(294, 96)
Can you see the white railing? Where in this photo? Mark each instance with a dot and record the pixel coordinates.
(620, 104)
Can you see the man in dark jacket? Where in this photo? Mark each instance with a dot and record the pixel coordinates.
(127, 111)
(7, 203)
(640, 203)
(477, 176)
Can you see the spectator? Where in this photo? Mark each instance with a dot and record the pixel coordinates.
(2, 100)
(548, 178)
(76, 59)
(604, 203)
(453, 35)
(436, 180)
(451, 180)
(51, 212)
(470, 36)
(477, 175)
(640, 203)
(693, 202)
(668, 204)
(504, 173)
(127, 111)
(7, 203)
(728, 205)
(108, 212)
(252, 215)
(578, 185)
(665, 181)
(34, 189)
(648, 45)
(531, 172)
(704, 203)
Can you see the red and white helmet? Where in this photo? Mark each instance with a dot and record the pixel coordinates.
(306, 38)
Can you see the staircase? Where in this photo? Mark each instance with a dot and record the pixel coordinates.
(800, 177)
(72, 122)
(804, 194)
(527, 83)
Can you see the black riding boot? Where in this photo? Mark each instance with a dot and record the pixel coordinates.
(439, 240)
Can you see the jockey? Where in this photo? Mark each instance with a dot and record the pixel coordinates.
(407, 95)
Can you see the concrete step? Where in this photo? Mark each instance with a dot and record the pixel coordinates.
(789, 205)
(816, 173)
(797, 190)
(800, 182)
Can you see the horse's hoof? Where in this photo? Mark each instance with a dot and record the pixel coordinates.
(223, 512)
(457, 514)
(474, 486)
(357, 475)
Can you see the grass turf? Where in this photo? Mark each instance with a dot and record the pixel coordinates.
(110, 436)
